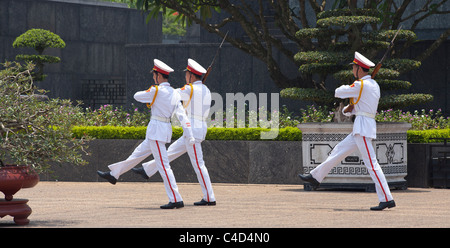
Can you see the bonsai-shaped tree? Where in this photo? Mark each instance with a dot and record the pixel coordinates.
(39, 39)
(339, 33)
(34, 132)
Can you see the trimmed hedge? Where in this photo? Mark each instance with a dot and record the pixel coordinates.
(214, 133)
(284, 134)
(110, 132)
(425, 136)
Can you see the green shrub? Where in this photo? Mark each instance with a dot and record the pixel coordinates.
(403, 34)
(110, 132)
(33, 131)
(321, 57)
(284, 134)
(39, 40)
(308, 95)
(383, 73)
(426, 136)
(320, 68)
(403, 100)
(402, 65)
(388, 84)
(346, 20)
(347, 12)
(214, 133)
(309, 33)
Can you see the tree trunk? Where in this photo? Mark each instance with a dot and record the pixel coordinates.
(339, 117)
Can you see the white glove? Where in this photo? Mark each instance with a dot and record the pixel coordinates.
(348, 114)
(191, 141)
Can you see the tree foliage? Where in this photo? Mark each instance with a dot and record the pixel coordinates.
(325, 42)
(34, 131)
(257, 18)
(39, 40)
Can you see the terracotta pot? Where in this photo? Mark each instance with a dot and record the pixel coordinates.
(13, 178)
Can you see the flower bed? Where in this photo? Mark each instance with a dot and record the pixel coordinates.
(110, 122)
(108, 115)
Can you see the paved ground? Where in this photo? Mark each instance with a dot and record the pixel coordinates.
(126, 204)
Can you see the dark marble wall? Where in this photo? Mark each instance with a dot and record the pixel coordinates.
(227, 162)
(95, 34)
(254, 162)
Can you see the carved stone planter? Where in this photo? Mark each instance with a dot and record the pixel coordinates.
(319, 139)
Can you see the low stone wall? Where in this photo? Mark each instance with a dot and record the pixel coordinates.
(276, 162)
(420, 167)
(259, 162)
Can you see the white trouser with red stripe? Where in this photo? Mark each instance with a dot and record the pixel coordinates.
(145, 149)
(344, 149)
(178, 148)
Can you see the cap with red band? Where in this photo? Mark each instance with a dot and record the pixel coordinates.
(161, 67)
(362, 61)
(195, 67)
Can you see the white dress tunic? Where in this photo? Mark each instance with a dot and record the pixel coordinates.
(366, 106)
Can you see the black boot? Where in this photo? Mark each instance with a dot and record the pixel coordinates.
(383, 205)
(203, 203)
(107, 176)
(310, 179)
(172, 205)
(141, 172)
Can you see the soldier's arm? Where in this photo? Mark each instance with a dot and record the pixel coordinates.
(185, 122)
(184, 92)
(145, 96)
(348, 91)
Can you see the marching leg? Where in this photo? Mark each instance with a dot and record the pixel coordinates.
(117, 169)
(162, 162)
(370, 160)
(339, 152)
(196, 156)
(175, 150)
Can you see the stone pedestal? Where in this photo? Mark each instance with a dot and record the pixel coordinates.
(319, 139)
(16, 208)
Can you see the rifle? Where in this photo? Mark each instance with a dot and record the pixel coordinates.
(377, 68)
(214, 59)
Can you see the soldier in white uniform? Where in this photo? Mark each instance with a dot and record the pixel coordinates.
(197, 101)
(364, 95)
(164, 101)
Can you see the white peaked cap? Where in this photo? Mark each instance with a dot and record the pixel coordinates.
(195, 67)
(161, 67)
(362, 61)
